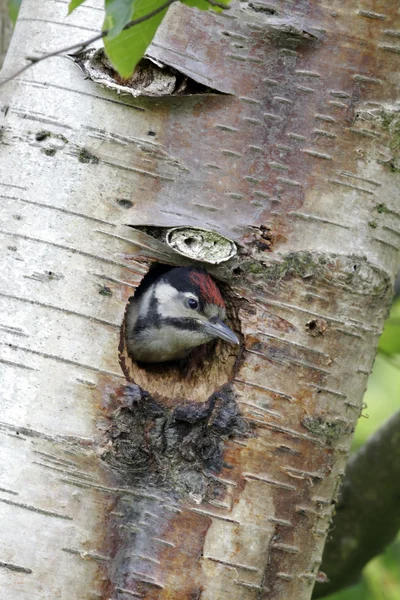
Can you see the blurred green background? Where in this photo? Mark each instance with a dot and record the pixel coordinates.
(381, 577)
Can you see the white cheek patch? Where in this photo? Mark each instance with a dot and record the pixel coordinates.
(145, 303)
(138, 308)
(170, 303)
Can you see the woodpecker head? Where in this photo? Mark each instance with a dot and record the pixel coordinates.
(173, 313)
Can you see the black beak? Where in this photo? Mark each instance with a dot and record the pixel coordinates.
(218, 329)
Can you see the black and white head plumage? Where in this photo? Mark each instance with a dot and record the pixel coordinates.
(173, 313)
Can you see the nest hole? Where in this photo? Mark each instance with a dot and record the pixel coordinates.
(194, 379)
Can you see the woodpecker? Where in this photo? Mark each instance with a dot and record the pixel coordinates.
(173, 313)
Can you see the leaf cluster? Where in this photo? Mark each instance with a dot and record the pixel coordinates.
(130, 26)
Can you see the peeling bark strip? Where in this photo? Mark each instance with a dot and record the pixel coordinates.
(151, 78)
(297, 163)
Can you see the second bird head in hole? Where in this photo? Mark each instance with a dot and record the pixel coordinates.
(174, 312)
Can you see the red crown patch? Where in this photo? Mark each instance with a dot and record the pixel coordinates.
(207, 287)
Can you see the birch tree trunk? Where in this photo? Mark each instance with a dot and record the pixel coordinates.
(291, 152)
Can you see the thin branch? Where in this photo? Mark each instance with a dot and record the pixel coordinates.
(80, 46)
(367, 515)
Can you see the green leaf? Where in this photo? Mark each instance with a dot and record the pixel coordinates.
(74, 4)
(127, 48)
(13, 8)
(118, 14)
(204, 5)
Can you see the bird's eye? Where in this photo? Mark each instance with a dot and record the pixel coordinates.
(192, 303)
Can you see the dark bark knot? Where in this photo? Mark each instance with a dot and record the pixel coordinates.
(316, 327)
(179, 448)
